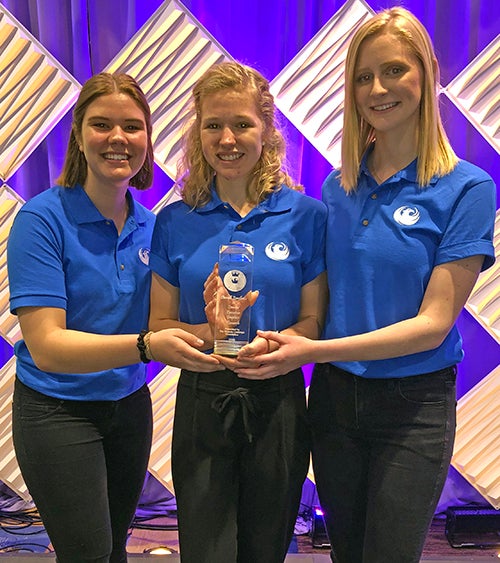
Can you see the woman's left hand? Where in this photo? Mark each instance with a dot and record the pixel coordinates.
(249, 359)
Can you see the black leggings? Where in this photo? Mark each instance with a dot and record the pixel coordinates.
(84, 463)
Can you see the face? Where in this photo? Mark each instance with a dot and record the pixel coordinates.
(114, 140)
(388, 84)
(231, 134)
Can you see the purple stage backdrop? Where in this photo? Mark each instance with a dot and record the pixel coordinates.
(85, 35)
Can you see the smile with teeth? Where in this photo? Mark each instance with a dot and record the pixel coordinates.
(114, 156)
(232, 156)
(384, 106)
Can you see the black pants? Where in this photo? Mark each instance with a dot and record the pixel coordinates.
(84, 463)
(240, 454)
(381, 452)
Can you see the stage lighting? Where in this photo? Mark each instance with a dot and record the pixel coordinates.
(319, 535)
(160, 550)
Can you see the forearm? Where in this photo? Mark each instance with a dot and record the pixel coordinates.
(309, 327)
(69, 351)
(410, 336)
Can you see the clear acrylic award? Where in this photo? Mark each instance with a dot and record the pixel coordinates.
(232, 313)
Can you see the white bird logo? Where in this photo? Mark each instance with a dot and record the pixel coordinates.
(406, 215)
(277, 251)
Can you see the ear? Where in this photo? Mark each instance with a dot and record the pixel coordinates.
(78, 139)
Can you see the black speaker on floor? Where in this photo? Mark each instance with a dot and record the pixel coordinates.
(319, 535)
(473, 526)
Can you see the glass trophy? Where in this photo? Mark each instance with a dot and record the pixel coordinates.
(232, 313)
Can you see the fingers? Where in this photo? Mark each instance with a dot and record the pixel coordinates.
(258, 346)
(185, 336)
(251, 297)
(273, 335)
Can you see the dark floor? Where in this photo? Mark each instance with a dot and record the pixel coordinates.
(161, 531)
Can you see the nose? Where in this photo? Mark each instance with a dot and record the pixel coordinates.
(117, 135)
(227, 136)
(378, 86)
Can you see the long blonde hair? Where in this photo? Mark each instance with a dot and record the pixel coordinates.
(269, 174)
(435, 154)
(102, 84)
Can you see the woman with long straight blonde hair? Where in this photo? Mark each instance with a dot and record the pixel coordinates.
(410, 227)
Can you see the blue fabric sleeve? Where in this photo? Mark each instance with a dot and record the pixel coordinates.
(36, 276)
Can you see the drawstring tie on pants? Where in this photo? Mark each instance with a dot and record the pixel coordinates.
(229, 404)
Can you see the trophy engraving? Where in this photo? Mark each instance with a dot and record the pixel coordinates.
(232, 313)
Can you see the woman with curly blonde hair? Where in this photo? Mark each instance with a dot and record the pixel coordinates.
(240, 445)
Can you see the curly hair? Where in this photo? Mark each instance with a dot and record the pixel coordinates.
(102, 84)
(435, 154)
(196, 174)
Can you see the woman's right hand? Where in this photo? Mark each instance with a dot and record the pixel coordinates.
(217, 317)
(179, 348)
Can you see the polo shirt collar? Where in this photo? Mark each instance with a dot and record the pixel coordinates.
(409, 173)
(275, 202)
(84, 211)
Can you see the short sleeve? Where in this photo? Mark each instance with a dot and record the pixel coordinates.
(34, 262)
(470, 229)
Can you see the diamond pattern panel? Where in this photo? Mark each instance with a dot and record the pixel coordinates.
(163, 393)
(476, 93)
(309, 90)
(36, 91)
(10, 203)
(484, 301)
(167, 55)
(477, 446)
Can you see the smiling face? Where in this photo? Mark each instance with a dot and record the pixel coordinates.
(388, 84)
(231, 135)
(113, 139)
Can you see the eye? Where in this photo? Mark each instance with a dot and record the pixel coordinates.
(211, 126)
(363, 78)
(394, 70)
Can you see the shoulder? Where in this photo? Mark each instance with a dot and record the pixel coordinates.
(468, 173)
(300, 199)
(175, 211)
(44, 201)
(332, 181)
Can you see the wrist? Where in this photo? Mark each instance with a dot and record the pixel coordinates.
(144, 346)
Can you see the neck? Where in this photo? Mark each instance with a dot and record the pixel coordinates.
(391, 155)
(237, 197)
(112, 204)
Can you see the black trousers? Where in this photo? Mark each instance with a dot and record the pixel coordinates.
(381, 452)
(84, 463)
(240, 454)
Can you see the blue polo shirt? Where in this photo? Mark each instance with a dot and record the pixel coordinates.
(63, 253)
(382, 244)
(287, 231)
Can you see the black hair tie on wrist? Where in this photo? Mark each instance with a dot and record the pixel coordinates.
(141, 346)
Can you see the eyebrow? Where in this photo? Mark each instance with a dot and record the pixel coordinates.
(385, 63)
(105, 118)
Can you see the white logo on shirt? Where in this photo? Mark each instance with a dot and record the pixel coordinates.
(144, 255)
(277, 251)
(406, 215)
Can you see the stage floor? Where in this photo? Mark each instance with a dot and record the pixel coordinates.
(437, 549)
